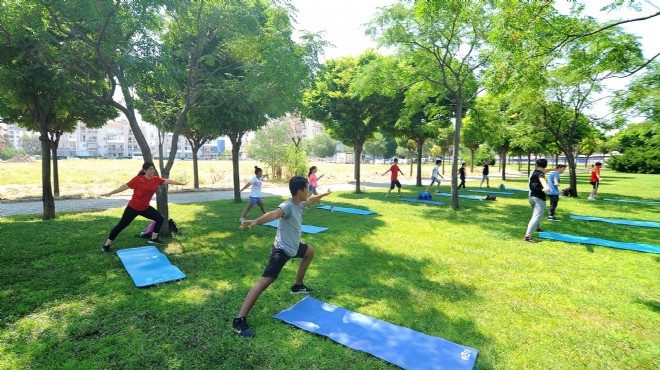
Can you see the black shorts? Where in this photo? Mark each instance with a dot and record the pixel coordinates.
(594, 184)
(278, 259)
(395, 182)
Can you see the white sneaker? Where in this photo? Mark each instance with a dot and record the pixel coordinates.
(241, 220)
(387, 195)
(590, 198)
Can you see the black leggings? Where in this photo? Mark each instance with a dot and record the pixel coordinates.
(130, 214)
(554, 200)
(462, 183)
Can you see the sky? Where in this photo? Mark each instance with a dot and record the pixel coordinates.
(343, 22)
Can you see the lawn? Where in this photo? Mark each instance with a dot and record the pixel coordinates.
(464, 275)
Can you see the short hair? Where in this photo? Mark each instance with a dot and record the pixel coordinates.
(464, 164)
(561, 166)
(438, 161)
(542, 163)
(598, 164)
(297, 183)
(396, 159)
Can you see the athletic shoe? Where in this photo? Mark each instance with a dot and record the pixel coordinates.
(387, 195)
(156, 241)
(539, 229)
(591, 198)
(241, 327)
(241, 220)
(106, 249)
(301, 289)
(529, 239)
(553, 218)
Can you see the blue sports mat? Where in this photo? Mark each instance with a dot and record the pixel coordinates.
(618, 221)
(631, 201)
(400, 346)
(515, 189)
(423, 201)
(602, 242)
(492, 192)
(354, 211)
(307, 229)
(471, 197)
(148, 266)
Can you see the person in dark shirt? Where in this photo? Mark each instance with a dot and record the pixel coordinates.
(538, 187)
(484, 176)
(461, 175)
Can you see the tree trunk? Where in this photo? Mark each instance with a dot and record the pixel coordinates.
(519, 162)
(47, 192)
(235, 150)
(163, 207)
(356, 156)
(572, 173)
(457, 141)
(56, 172)
(586, 162)
(529, 166)
(472, 151)
(420, 144)
(195, 149)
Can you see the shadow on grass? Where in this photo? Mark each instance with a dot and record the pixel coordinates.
(66, 304)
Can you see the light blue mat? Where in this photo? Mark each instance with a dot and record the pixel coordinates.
(492, 192)
(631, 201)
(602, 242)
(619, 221)
(515, 189)
(354, 211)
(471, 197)
(400, 346)
(413, 200)
(307, 229)
(148, 266)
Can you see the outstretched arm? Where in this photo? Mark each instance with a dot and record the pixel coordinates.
(318, 178)
(168, 181)
(385, 173)
(543, 182)
(316, 198)
(266, 217)
(246, 186)
(118, 190)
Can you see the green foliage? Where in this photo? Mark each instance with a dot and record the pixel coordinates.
(30, 144)
(322, 145)
(8, 152)
(640, 145)
(295, 161)
(270, 146)
(642, 97)
(484, 154)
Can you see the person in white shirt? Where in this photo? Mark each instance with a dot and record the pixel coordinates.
(255, 192)
(435, 176)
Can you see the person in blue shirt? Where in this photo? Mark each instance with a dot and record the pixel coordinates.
(553, 194)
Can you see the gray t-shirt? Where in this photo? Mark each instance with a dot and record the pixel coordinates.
(288, 230)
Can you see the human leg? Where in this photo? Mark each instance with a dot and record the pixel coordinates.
(246, 210)
(398, 185)
(152, 214)
(307, 257)
(554, 200)
(261, 205)
(127, 217)
(538, 208)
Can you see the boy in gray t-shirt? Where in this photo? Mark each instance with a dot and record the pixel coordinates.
(287, 245)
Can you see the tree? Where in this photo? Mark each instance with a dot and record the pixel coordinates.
(322, 145)
(376, 146)
(269, 146)
(640, 148)
(30, 144)
(447, 41)
(346, 115)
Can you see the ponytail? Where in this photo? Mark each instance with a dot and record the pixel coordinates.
(311, 170)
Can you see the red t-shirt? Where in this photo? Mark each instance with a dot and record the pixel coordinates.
(595, 174)
(395, 172)
(143, 190)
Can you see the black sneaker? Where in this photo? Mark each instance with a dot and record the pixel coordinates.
(553, 218)
(539, 229)
(241, 327)
(106, 249)
(156, 241)
(529, 239)
(301, 289)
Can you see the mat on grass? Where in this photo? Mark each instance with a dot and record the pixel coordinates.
(618, 221)
(354, 211)
(413, 200)
(516, 189)
(307, 229)
(602, 242)
(492, 192)
(471, 197)
(631, 201)
(401, 346)
(148, 266)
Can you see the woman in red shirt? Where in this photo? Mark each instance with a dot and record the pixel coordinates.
(144, 186)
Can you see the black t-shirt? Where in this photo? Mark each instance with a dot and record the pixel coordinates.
(461, 172)
(485, 169)
(535, 186)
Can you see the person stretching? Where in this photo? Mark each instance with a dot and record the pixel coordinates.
(144, 186)
(255, 192)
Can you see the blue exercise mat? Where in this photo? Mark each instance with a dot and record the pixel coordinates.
(631, 201)
(619, 221)
(148, 266)
(471, 197)
(426, 201)
(602, 242)
(515, 189)
(492, 192)
(354, 211)
(307, 229)
(400, 346)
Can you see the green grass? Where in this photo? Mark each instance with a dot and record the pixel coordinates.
(462, 275)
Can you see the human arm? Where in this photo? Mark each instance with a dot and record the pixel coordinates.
(246, 186)
(544, 183)
(318, 178)
(316, 198)
(266, 217)
(385, 173)
(118, 190)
